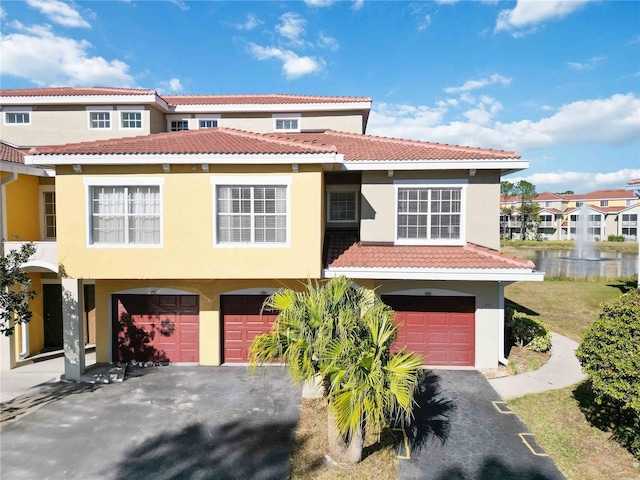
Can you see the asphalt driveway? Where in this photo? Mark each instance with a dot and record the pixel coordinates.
(461, 434)
(161, 423)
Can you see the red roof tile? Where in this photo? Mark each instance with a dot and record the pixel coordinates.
(210, 140)
(277, 98)
(549, 196)
(469, 256)
(73, 91)
(635, 181)
(602, 194)
(11, 154)
(229, 141)
(368, 147)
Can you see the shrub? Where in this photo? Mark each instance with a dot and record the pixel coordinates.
(610, 355)
(615, 238)
(528, 332)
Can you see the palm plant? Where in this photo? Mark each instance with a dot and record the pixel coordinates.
(344, 336)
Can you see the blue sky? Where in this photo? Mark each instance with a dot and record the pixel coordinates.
(557, 81)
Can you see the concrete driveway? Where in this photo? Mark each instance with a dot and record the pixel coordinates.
(161, 423)
(463, 432)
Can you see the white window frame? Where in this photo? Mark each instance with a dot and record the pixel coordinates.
(207, 117)
(579, 204)
(126, 110)
(431, 184)
(250, 181)
(604, 203)
(355, 189)
(289, 116)
(16, 111)
(90, 182)
(92, 110)
(43, 224)
(192, 123)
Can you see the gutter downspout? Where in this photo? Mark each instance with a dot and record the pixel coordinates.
(501, 358)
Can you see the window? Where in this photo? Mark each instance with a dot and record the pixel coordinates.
(604, 203)
(286, 124)
(546, 218)
(252, 214)
(100, 120)
(208, 123)
(179, 125)
(579, 204)
(49, 214)
(131, 119)
(125, 215)
(342, 203)
(629, 218)
(17, 118)
(628, 202)
(429, 214)
(289, 122)
(547, 204)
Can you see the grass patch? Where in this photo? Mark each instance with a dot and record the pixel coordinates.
(513, 246)
(581, 451)
(567, 306)
(308, 461)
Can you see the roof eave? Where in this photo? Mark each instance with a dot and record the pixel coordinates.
(508, 166)
(461, 274)
(269, 107)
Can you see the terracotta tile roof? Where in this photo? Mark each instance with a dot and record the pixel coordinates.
(368, 147)
(549, 196)
(229, 141)
(602, 194)
(277, 98)
(469, 256)
(210, 140)
(551, 210)
(635, 181)
(9, 153)
(73, 91)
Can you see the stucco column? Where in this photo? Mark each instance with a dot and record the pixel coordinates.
(73, 326)
(7, 352)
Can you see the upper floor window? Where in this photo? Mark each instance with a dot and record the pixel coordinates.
(125, 214)
(426, 214)
(547, 204)
(628, 202)
(179, 125)
(17, 118)
(251, 213)
(286, 123)
(208, 123)
(629, 217)
(49, 214)
(100, 120)
(579, 204)
(546, 218)
(131, 119)
(604, 203)
(342, 203)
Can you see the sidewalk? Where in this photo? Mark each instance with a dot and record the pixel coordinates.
(562, 370)
(27, 378)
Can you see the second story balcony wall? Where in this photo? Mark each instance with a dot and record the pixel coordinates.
(45, 259)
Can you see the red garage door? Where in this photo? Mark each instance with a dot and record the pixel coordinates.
(156, 328)
(242, 322)
(441, 329)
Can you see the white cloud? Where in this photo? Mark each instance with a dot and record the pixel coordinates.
(611, 121)
(319, 3)
(293, 65)
(326, 41)
(180, 4)
(170, 86)
(470, 85)
(585, 180)
(590, 65)
(251, 23)
(357, 5)
(40, 56)
(291, 27)
(59, 12)
(424, 24)
(3, 14)
(530, 13)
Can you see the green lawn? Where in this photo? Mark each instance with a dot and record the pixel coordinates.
(581, 451)
(512, 246)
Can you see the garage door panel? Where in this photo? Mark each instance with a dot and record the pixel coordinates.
(242, 322)
(441, 329)
(156, 328)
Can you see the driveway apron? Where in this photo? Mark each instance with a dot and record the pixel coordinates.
(463, 431)
(161, 423)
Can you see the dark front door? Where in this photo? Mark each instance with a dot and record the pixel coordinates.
(52, 313)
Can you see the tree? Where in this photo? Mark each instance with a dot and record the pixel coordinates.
(344, 335)
(610, 355)
(15, 289)
(528, 209)
(507, 190)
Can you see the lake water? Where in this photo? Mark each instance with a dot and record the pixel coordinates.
(566, 264)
